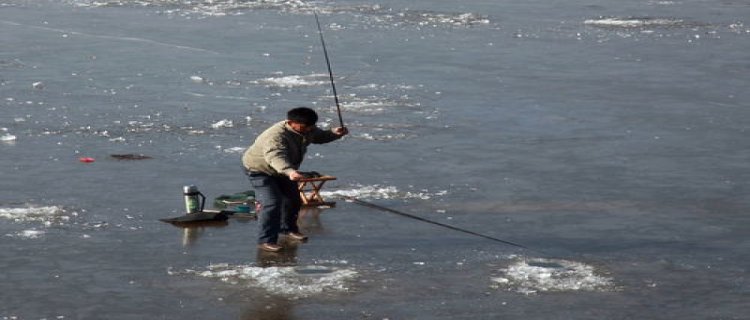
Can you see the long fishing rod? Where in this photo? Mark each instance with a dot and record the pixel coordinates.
(411, 216)
(330, 72)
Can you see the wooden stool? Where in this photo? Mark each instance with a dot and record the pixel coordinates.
(309, 191)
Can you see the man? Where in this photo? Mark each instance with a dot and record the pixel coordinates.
(272, 165)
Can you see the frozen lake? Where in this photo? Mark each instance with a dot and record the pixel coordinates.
(608, 137)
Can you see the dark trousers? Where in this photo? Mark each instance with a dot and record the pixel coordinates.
(280, 203)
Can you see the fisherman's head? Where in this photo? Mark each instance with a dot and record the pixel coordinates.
(302, 119)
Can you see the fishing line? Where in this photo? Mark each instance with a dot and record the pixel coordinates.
(411, 216)
(330, 72)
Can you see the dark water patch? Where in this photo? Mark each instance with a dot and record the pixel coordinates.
(11, 64)
(130, 156)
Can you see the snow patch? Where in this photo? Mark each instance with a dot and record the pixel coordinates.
(293, 282)
(531, 276)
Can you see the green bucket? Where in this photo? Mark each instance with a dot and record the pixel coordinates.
(246, 198)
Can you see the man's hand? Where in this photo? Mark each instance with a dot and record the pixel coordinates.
(296, 176)
(341, 131)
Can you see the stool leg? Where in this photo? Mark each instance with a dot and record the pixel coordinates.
(316, 192)
(302, 193)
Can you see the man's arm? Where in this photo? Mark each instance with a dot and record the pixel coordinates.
(319, 136)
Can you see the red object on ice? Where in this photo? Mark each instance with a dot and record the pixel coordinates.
(86, 159)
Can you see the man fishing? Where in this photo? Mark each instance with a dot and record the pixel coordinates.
(272, 164)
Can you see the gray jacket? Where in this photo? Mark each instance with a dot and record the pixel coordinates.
(280, 150)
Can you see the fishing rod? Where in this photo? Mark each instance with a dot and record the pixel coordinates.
(330, 72)
(411, 216)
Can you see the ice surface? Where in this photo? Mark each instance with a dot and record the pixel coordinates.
(225, 123)
(295, 81)
(382, 192)
(48, 215)
(7, 138)
(555, 117)
(373, 13)
(530, 276)
(635, 22)
(377, 105)
(29, 234)
(293, 282)
(234, 150)
(380, 137)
